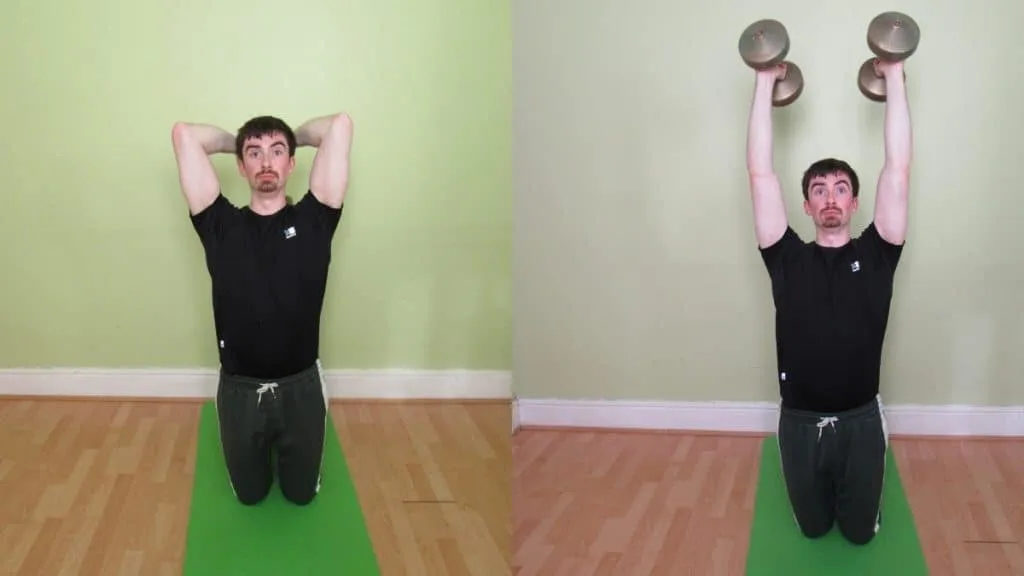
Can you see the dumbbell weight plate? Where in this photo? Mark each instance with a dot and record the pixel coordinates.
(871, 85)
(764, 44)
(893, 36)
(788, 89)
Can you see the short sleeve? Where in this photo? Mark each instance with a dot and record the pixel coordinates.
(323, 217)
(776, 255)
(885, 254)
(211, 223)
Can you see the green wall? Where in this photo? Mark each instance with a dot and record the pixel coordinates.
(637, 272)
(101, 266)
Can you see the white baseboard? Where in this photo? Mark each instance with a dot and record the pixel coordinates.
(202, 383)
(757, 417)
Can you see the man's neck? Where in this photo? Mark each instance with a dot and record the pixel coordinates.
(832, 238)
(267, 204)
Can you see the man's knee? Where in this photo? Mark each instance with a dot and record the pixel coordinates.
(814, 516)
(815, 530)
(301, 495)
(251, 484)
(251, 494)
(300, 485)
(858, 533)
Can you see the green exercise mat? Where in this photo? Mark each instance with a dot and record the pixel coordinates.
(777, 547)
(275, 537)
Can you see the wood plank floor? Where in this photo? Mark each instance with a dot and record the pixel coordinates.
(602, 503)
(103, 487)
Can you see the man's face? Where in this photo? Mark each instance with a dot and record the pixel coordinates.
(266, 163)
(830, 201)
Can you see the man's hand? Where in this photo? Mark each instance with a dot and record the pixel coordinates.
(332, 136)
(887, 69)
(773, 74)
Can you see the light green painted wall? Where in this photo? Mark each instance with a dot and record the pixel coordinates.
(637, 274)
(100, 264)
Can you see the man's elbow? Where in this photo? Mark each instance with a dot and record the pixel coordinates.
(896, 174)
(341, 127)
(179, 134)
(897, 163)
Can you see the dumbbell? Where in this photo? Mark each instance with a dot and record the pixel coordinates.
(893, 37)
(765, 44)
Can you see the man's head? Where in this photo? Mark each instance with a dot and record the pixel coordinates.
(265, 147)
(830, 190)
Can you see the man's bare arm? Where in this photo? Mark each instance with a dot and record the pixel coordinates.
(770, 220)
(329, 175)
(193, 145)
(891, 198)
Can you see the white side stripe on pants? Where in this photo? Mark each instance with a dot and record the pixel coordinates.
(327, 414)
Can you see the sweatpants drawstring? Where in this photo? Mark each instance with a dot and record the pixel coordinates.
(826, 421)
(271, 386)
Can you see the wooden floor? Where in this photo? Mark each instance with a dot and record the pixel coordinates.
(603, 503)
(103, 487)
(90, 487)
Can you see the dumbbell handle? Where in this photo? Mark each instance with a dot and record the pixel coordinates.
(880, 75)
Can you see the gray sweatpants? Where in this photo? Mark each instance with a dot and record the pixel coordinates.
(833, 465)
(266, 421)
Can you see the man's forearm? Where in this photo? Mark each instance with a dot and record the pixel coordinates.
(312, 132)
(214, 140)
(760, 160)
(898, 137)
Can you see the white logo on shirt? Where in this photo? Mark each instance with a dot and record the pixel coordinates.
(289, 232)
(855, 266)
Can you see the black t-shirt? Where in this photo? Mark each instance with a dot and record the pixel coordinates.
(831, 314)
(269, 276)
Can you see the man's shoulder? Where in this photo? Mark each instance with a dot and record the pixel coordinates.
(310, 202)
(221, 204)
(870, 236)
(789, 242)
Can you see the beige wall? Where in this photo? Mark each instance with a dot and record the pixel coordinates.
(636, 270)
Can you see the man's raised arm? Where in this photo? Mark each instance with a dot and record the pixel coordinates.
(894, 182)
(193, 145)
(765, 189)
(332, 136)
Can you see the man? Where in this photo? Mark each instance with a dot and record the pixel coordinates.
(268, 263)
(832, 300)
